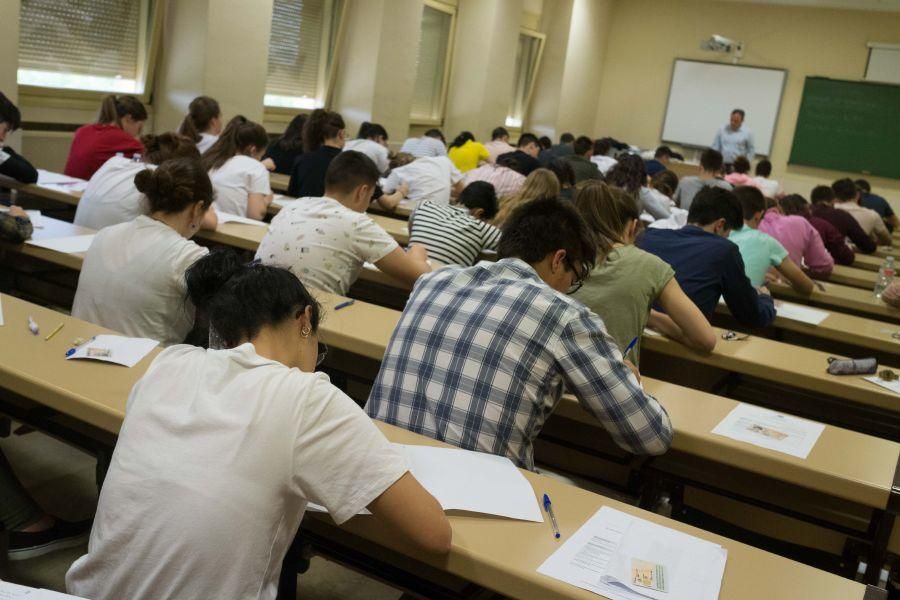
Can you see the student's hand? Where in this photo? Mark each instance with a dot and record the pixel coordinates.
(17, 211)
(634, 369)
(403, 189)
(764, 290)
(418, 252)
(773, 278)
(269, 164)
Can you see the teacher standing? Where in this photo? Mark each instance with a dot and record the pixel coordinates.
(734, 140)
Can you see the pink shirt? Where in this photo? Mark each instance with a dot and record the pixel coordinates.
(800, 239)
(506, 182)
(497, 147)
(741, 179)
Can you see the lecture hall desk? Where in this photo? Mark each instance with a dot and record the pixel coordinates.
(498, 554)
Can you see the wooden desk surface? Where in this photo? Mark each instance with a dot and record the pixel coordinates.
(499, 554)
(841, 298)
(279, 182)
(871, 262)
(853, 277)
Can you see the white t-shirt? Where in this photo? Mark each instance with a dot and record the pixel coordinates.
(324, 243)
(111, 197)
(219, 452)
(769, 187)
(604, 163)
(424, 146)
(234, 181)
(206, 142)
(374, 150)
(428, 178)
(132, 281)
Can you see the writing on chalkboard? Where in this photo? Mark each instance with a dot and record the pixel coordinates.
(848, 126)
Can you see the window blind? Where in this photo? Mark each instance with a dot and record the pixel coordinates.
(98, 38)
(527, 55)
(434, 41)
(295, 48)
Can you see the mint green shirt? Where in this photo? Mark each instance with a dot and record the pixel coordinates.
(760, 252)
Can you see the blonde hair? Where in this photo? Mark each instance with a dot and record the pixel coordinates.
(607, 210)
(541, 183)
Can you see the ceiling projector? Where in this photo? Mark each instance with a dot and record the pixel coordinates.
(718, 43)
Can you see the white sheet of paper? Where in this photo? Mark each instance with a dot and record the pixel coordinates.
(229, 218)
(12, 591)
(598, 558)
(127, 351)
(893, 386)
(72, 244)
(282, 200)
(52, 178)
(473, 481)
(769, 429)
(803, 314)
(65, 188)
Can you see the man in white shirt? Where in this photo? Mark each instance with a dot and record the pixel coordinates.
(372, 141)
(734, 140)
(326, 241)
(847, 198)
(428, 178)
(601, 156)
(499, 143)
(430, 144)
(769, 187)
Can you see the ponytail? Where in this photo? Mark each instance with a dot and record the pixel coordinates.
(114, 107)
(462, 138)
(320, 126)
(370, 131)
(201, 111)
(236, 137)
(240, 299)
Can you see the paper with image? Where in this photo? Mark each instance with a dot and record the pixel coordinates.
(118, 349)
(769, 429)
(624, 557)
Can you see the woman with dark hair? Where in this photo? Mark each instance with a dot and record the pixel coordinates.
(624, 286)
(372, 141)
(288, 147)
(466, 153)
(111, 196)
(241, 181)
(630, 174)
(566, 176)
(323, 139)
(132, 279)
(11, 163)
(116, 131)
(203, 123)
(740, 174)
(222, 450)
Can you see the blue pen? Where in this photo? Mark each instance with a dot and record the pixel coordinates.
(344, 304)
(629, 347)
(548, 507)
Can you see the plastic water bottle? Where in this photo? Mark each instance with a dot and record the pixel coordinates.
(885, 276)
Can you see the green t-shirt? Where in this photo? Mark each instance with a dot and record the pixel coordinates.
(621, 290)
(760, 252)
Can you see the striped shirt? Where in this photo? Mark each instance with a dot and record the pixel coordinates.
(451, 235)
(480, 356)
(424, 146)
(506, 182)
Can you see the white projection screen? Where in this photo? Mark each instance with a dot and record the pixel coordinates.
(703, 94)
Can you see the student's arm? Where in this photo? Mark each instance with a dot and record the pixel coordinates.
(407, 508)
(458, 181)
(683, 321)
(457, 188)
(796, 277)
(892, 222)
(817, 259)
(607, 388)
(837, 247)
(748, 306)
(653, 204)
(210, 220)
(257, 204)
(15, 166)
(390, 201)
(268, 163)
(405, 266)
(882, 235)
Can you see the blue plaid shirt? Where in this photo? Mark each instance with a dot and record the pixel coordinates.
(481, 354)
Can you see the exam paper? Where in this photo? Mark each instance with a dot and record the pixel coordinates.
(127, 351)
(473, 481)
(769, 429)
(65, 188)
(893, 386)
(229, 218)
(51, 178)
(803, 314)
(12, 591)
(626, 558)
(282, 200)
(72, 244)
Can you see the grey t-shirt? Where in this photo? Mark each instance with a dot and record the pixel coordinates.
(689, 186)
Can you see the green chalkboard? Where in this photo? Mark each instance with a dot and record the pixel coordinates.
(849, 126)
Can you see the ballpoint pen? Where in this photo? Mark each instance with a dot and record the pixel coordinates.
(629, 347)
(344, 304)
(548, 507)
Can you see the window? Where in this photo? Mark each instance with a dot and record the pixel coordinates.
(301, 49)
(99, 45)
(528, 58)
(432, 62)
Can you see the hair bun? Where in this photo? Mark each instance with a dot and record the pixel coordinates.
(209, 274)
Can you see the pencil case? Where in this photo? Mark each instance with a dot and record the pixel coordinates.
(852, 366)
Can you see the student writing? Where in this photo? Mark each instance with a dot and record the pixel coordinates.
(288, 147)
(203, 123)
(116, 131)
(239, 178)
(323, 139)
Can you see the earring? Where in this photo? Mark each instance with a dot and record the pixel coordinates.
(193, 226)
(306, 331)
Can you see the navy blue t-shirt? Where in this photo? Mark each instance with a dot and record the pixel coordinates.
(707, 267)
(654, 166)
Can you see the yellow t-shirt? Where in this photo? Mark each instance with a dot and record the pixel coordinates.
(467, 156)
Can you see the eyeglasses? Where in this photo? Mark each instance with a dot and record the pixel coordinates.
(579, 278)
(323, 352)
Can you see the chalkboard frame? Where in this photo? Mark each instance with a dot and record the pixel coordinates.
(834, 167)
(662, 126)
